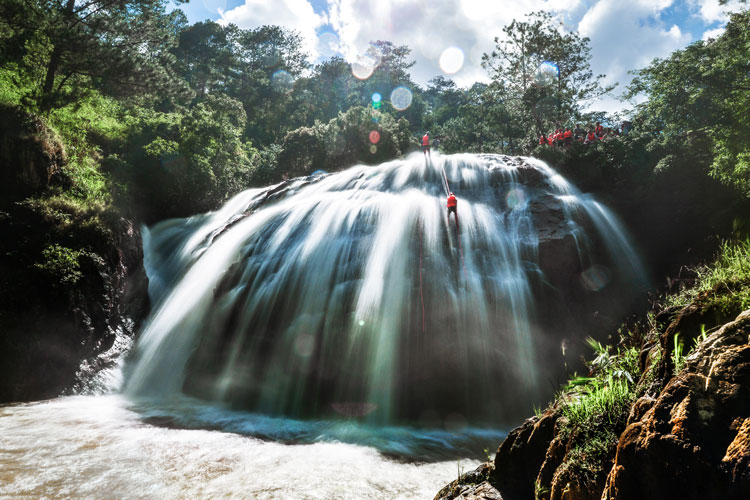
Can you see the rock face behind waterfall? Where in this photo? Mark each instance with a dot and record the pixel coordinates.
(354, 291)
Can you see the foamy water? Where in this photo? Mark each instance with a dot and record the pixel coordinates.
(95, 447)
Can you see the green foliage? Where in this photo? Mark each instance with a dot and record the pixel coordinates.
(725, 282)
(60, 265)
(602, 401)
(483, 122)
(678, 356)
(590, 460)
(604, 397)
(540, 491)
(183, 162)
(595, 410)
(541, 101)
(85, 129)
(704, 89)
(11, 90)
(69, 49)
(343, 141)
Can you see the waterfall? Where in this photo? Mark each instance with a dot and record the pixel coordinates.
(353, 294)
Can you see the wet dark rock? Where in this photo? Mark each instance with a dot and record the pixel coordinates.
(521, 455)
(691, 441)
(473, 485)
(694, 442)
(688, 323)
(54, 325)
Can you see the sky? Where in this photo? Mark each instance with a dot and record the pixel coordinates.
(448, 37)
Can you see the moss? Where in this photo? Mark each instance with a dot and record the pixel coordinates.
(590, 459)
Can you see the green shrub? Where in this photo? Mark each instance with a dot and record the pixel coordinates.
(60, 265)
(599, 401)
(602, 400)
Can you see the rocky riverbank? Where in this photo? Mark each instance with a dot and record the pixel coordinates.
(680, 429)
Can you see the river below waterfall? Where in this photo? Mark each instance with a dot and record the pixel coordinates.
(107, 447)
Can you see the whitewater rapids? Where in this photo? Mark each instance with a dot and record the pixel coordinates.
(95, 447)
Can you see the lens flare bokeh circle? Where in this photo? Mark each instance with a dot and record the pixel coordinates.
(595, 278)
(546, 74)
(282, 81)
(401, 98)
(451, 60)
(515, 198)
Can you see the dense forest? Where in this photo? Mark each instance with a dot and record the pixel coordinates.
(166, 118)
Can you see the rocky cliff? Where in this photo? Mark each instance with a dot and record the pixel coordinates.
(71, 272)
(683, 432)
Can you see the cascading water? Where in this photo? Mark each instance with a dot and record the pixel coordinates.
(353, 294)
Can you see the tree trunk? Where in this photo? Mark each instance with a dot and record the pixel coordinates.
(46, 100)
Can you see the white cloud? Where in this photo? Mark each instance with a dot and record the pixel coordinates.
(624, 35)
(627, 36)
(714, 33)
(293, 14)
(428, 28)
(711, 11)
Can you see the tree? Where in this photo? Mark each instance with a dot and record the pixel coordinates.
(443, 97)
(70, 47)
(270, 60)
(545, 70)
(205, 57)
(324, 94)
(702, 92)
(483, 123)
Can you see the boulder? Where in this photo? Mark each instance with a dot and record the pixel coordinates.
(520, 457)
(473, 485)
(58, 319)
(694, 442)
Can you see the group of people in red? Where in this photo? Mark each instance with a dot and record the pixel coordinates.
(566, 136)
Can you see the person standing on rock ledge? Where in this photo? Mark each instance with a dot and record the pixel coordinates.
(426, 144)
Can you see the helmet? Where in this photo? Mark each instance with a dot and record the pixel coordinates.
(451, 193)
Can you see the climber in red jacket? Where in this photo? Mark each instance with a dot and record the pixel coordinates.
(426, 144)
(452, 207)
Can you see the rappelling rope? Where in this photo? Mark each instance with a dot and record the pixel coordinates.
(458, 235)
(460, 251)
(445, 180)
(447, 188)
(421, 293)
